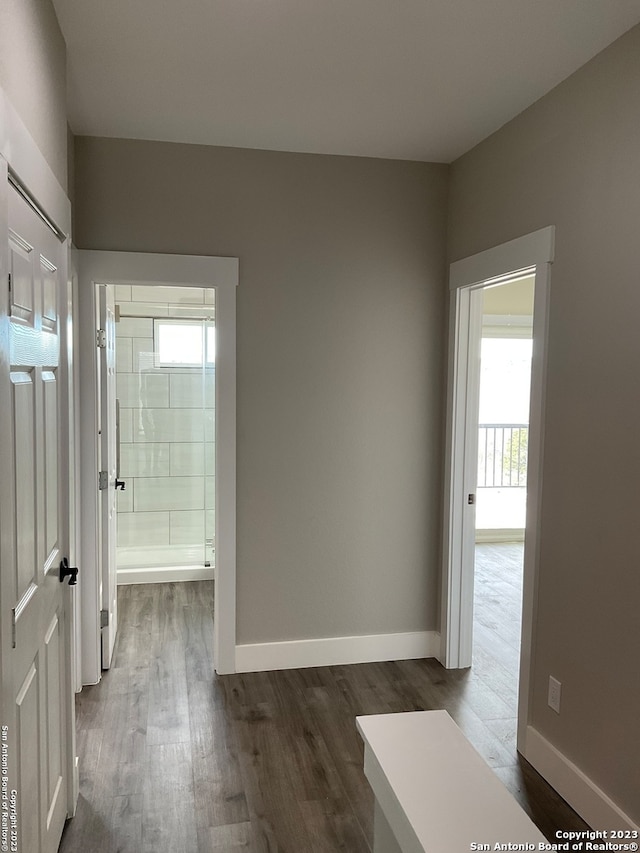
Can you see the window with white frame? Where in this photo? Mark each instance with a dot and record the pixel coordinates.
(184, 343)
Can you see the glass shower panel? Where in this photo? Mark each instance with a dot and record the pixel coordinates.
(166, 392)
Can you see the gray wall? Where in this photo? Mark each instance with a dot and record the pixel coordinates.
(340, 364)
(71, 185)
(33, 75)
(573, 160)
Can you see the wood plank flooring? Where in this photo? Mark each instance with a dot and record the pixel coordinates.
(174, 758)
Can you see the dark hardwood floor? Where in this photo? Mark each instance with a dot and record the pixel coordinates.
(174, 758)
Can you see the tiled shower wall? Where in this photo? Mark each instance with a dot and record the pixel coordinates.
(166, 513)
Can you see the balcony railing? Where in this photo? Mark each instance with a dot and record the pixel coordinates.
(502, 456)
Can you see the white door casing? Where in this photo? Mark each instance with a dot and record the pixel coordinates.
(34, 512)
(133, 268)
(106, 337)
(73, 463)
(462, 547)
(534, 251)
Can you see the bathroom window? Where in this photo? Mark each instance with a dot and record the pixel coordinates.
(184, 343)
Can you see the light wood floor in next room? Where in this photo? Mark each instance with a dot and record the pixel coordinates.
(174, 759)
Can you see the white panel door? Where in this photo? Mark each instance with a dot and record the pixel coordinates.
(36, 701)
(108, 464)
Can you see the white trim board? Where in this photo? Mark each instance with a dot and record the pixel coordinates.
(174, 270)
(335, 651)
(487, 535)
(527, 251)
(581, 792)
(165, 574)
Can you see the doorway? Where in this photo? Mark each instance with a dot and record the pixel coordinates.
(156, 344)
(501, 484)
(526, 256)
(165, 387)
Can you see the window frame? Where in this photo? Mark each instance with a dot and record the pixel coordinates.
(205, 363)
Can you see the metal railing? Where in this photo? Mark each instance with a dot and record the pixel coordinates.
(502, 456)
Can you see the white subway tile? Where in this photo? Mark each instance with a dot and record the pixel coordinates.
(124, 355)
(187, 459)
(187, 527)
(182, 425)
(143, 356)
(193, 390)
(125, 499)
(192, 459)
(134, 327)
(210, 493)
(210, 458)
(210, 524)
(163, 293)
(126, 425)
(209, 425)
(146, 309)
(191, 312)
(166, 493)
(123, 293)
(137, 390)
(143, 528)
(144, 459)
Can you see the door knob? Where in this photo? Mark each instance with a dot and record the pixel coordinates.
(67, 570)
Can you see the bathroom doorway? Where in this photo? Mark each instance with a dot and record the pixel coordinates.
(165, 388)
(176, 370)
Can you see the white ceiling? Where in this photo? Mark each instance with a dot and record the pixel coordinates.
(408, 79)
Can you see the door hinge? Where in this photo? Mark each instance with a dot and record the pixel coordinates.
(9, 279)
(104, 618)
(13, 628)
(103, 480)
(101, 338)
(471, 499)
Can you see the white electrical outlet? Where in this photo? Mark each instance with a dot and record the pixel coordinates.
(554, 694)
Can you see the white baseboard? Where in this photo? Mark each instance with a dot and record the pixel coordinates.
(499, 534)
(333, 651)
(591, 803)
(166, 574)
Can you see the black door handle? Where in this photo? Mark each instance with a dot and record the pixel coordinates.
(66, 569)
(120, 484)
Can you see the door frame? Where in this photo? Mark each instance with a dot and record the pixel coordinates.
(220, 274)
(21, 157)
(533, 251)
(108, 454)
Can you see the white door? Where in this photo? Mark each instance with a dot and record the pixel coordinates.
(106, 340)
(37, 708)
